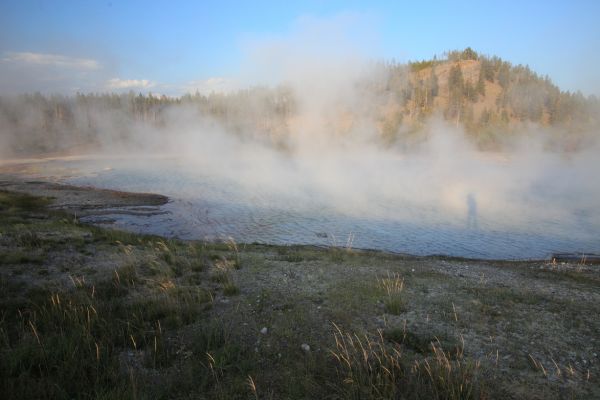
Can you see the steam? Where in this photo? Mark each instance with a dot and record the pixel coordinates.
(361, 179)
(348, 169)
(332, 154)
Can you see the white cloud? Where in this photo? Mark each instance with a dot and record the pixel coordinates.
(55, 60)
(116, 83)
(215, 84)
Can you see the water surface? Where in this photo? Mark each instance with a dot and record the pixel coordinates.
(465, 220)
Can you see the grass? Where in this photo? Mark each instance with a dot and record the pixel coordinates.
(83, 340)
(64, 347)
(424, 342)
(230, 289)
(223, 274)
(29, 239)
(393, 286)
(20, 257)
(235, 253)
(293, 257)
(10, 202)
(296, 254)
(369, 368)
(71, 343)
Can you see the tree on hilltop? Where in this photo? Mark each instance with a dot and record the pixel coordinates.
(456, 91)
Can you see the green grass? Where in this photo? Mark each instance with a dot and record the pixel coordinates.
(65, 347)
(293, 257)
(580, 277)
(369, 368)
(394, 305)
(230, 289)
(393, 286)
(11, 202)
(69, 344)
(221, 276)
(338, 254)
(424, 342)
(29, 239)
(20, 257)
(225, 278)
(197, 265)
(507, 296)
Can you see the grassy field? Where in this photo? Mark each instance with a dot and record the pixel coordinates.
(87, 312)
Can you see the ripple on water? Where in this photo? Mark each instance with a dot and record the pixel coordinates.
(204, 207)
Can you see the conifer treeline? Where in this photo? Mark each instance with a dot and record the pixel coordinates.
(486, 95)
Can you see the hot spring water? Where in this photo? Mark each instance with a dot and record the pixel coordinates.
(451, 220)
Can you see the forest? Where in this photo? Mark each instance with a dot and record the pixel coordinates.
(491, 99)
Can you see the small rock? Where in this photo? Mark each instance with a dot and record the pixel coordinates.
(264, 330)
(305, 347)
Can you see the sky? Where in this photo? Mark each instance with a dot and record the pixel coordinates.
(174, 47)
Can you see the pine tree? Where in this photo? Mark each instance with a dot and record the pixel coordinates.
(433, 83)
(469, 54)
(470, 92)
(504, 75)
(486, 69)
(480, 88)
(456, 80)
(484, 118)
(456, 91)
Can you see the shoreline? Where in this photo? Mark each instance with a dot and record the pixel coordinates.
(89, 201)
(80, 200)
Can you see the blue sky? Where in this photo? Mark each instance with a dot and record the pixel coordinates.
(176, 46)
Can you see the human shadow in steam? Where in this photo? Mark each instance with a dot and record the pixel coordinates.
(471, 211)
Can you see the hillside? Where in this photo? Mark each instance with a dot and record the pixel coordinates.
(490, 98)
(487, 96)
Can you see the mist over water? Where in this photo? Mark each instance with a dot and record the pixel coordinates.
(440, 196)
(323, 186)
(444, 199)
